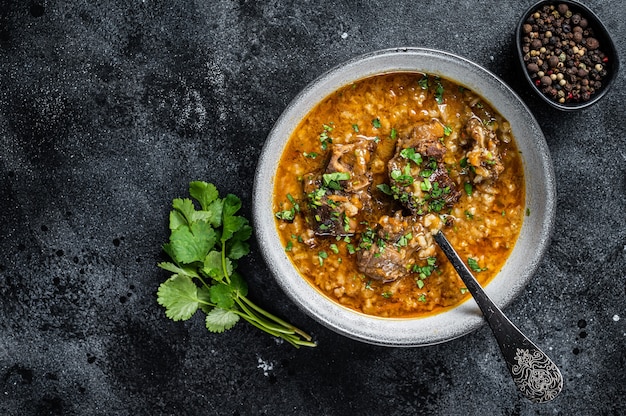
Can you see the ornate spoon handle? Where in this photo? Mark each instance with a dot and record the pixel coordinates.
(534, 373)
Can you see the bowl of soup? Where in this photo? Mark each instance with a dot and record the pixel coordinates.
(372, 159)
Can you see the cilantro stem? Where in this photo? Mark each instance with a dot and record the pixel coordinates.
(282, 330)
(266, 324)
(276, 319)
(224, 267)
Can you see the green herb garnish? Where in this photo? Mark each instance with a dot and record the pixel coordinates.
(331, 180)
(439, 93)
(325, 139)
(393, 134)
(423, 82)
(468, 188)
(410, 154)
(384, 188)
(204, 247)
(473, 264)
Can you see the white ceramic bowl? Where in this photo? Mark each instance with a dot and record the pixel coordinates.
(525, 257)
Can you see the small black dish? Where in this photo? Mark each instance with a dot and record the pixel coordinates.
(580, 88)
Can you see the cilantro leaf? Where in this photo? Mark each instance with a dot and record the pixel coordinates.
(231, 223)
(237, 249)
(185, 271)
(222, 295)
(191, 243)
(220, 320)
(205, 193)
(213, 266)
(179, 296)
(239, 285)
(185, 208)
(176, 219)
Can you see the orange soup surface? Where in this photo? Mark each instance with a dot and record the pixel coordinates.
(377, 168)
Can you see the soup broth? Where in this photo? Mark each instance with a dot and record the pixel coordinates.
(378, 167)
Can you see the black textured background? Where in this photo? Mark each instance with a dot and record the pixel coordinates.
(108, 109)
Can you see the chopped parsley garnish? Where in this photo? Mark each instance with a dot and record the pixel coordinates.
(393, 134)
(322, 255)
(423, 82)
(376, 123)
(473, 265)
(325, 139)
(331, 180)
(425, 270)
(468, 188)
(404, 240)
(410, 154)
(384, 188)
(439, 93)
(289, 214)
(403, 178)
(355, 127)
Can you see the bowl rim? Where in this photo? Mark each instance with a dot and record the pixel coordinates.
(465, 317)
(604, 36)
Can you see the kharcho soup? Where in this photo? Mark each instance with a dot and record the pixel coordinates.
(378, 167)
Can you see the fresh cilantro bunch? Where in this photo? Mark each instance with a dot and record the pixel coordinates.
(204, 246)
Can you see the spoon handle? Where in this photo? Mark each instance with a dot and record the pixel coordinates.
(534, 373)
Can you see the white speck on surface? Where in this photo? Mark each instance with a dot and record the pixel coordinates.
(491, 57)
(344, 35)
(616, 318)
(266, 366)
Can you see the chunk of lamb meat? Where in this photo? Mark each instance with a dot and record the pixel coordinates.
(484, 155)
(353, 158)
(390, 252)
(419, 178)
(337, 196)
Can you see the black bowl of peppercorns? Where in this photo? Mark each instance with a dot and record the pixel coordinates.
(566, 54)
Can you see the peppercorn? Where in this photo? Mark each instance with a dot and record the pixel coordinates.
(553, 61)
(563, 57)
(532, 68)
(592, 43)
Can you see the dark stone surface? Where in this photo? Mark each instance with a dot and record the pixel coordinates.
(108, 109)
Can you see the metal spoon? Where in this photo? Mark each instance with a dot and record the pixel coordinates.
(534, 373)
